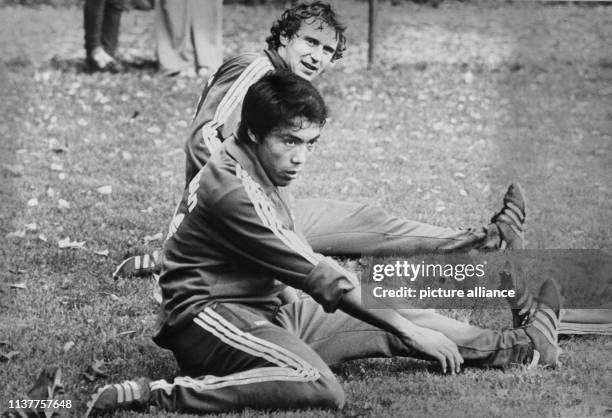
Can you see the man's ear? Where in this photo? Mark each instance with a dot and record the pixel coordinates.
(252, 136)
(283, 40)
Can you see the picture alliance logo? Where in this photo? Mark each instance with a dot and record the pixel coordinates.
(413, 271)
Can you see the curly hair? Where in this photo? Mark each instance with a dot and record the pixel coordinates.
(291, 20)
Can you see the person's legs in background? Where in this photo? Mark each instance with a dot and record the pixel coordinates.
(172, 36)
(101, 23)
(207, 35)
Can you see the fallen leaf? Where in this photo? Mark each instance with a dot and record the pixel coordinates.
(66, 243)
(42, 237)
(121, 334)
(13, 170)
(94, 370)
(105, 189)
(103, 253)
(63, 205)
(68, 346)
(62, 176)
(32, 202)
(175, 151)
(18, 285)
(16, 234)
(153, 129)
(148, 238)
(57, 167)
(126, 156)
(4, 357)
(114, 297)
(50, 193)
(468, 77)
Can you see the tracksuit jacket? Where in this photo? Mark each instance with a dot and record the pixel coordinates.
(233, 239)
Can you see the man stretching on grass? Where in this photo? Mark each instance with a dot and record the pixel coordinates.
(231, 250)
(306, 40)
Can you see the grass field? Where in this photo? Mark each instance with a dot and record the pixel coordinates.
(464, 99)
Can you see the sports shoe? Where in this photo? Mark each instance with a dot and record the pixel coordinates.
(138, 265)
(132, 395)
(511, 218)
(523, 304)
(543, 329)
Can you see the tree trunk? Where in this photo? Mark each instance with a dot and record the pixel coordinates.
(372, 29)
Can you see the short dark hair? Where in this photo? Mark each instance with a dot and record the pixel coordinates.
(291, 21)
(275, 101)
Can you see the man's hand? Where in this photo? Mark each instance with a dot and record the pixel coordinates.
(437, 345)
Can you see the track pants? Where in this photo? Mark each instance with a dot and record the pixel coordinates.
(188, 34)
(333, 227)
(234, 356)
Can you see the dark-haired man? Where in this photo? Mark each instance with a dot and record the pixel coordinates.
(306, 40)
(232, 249)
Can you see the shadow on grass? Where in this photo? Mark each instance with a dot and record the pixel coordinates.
(79, 65)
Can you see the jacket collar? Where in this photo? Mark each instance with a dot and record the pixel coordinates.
(276, 60)
(245, 156)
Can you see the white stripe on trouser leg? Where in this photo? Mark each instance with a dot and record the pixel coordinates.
(145, 261)
(137, 262)
(209, 382)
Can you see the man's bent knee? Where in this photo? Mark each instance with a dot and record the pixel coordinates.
(329, 393)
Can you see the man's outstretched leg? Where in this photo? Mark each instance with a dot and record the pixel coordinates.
(338, 337)
(347, 229)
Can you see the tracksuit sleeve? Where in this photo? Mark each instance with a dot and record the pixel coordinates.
(248, 227)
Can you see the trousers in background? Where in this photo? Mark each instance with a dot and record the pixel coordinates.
(234, 356)
(101, 23)
(189, 34)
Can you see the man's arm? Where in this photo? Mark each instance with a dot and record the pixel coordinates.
(428, 341)
(247, 221)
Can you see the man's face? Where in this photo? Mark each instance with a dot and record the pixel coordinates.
(284, 151)
(310, 50)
